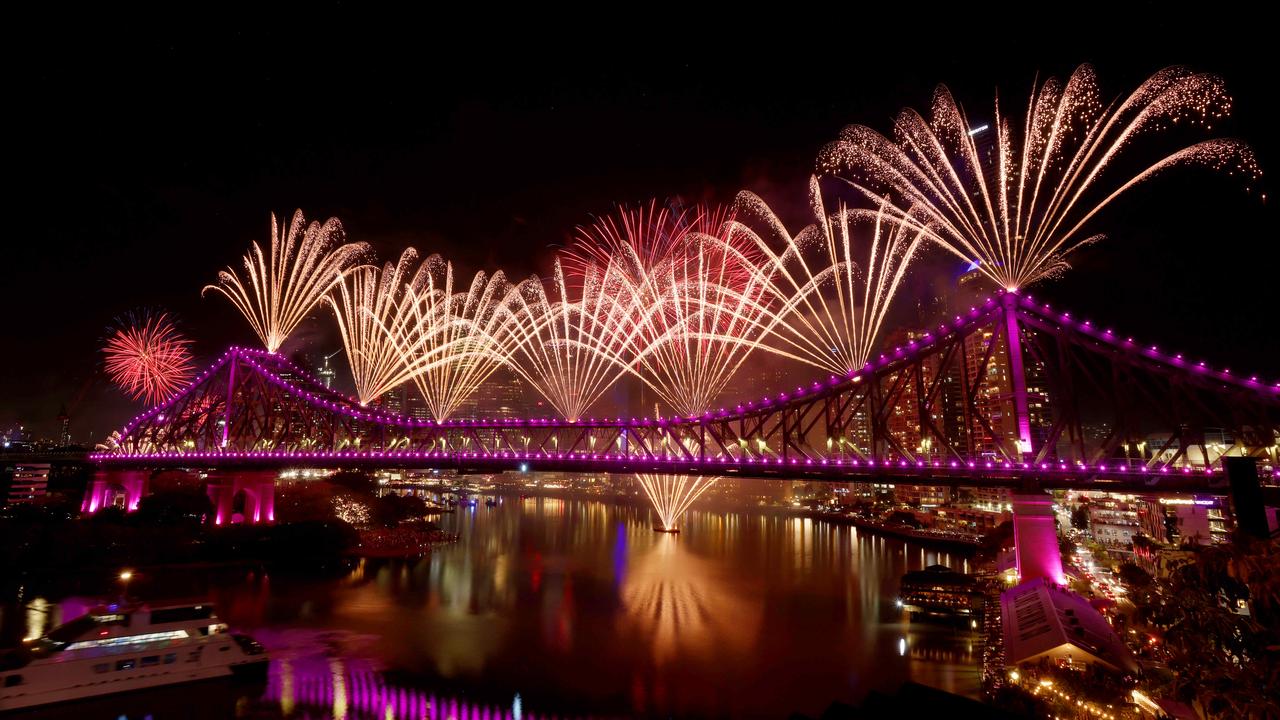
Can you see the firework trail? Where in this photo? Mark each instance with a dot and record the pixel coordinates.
(671, 495)
(449, 342)
(696, 295)
(565, 348)
(366, 301)
(835, 280)
(281, 288)
(1020, 210)
(147, 358)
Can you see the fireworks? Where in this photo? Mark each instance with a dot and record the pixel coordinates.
(671, 495)
(449, 343)
(569, 349)
(832, 305)
(1019, 209)
(367, 301)
(350, 510)
(681, 298)
(147, 357)
(696, 296)
(281, 289)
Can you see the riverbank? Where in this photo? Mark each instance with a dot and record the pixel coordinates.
(407, 541)
(954, 542)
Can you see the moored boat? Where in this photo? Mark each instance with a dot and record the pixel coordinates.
(118, 648)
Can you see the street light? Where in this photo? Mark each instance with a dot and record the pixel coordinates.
(125, 576)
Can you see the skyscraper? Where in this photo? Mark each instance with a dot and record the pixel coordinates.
(64, 427)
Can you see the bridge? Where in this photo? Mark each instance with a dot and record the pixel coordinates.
(997, 396)
(253, 409)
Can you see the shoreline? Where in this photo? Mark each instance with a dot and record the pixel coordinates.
(904, 533)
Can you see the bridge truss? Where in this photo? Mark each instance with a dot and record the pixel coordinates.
(945, 408)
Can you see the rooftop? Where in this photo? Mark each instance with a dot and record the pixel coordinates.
(1043, 620)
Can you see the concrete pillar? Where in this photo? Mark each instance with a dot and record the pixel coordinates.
(267, 501)
(135, 486)
(259, 497)
(93, 494)
(1035, 538)
(220, 495)
(103, 487)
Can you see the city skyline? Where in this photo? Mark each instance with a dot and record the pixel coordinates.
(907, 362)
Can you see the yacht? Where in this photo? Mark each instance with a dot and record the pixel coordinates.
(118, 648)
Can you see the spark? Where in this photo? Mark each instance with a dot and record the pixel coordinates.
(301, 269)
(569, 349)
(147, 357)
(1021, 209)
(449, 342)
(696, 297)
(366, 301)
(836, 279)
(671, 495)
(350, 510)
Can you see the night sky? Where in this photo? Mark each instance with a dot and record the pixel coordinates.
(144, 156)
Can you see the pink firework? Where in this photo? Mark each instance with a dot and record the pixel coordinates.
(147, 357)
(694, 288)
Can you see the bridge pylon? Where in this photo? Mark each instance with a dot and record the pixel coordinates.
(1035, 538)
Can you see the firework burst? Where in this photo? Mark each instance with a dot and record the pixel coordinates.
(366, 301)
(569, 349)
(147, 358)
(696, 296)
(835, 280)
(449, 342)
(671, 495)
(280, 288)
(1019, 208)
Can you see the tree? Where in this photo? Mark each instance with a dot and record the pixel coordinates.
(1080, 517)
(1222, 660)
(390, 509)
(173, 507)
(305, 502)
(354, 480)
(1134, 577)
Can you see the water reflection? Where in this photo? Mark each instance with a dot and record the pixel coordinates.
(579, 608)
(318, 685)
(679, 604)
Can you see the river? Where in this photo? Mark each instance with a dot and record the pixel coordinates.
(552, 607)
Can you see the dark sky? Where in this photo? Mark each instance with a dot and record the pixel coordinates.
(145, 154)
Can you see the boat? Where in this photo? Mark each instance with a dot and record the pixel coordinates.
(938, 592)
(491, 502)
(118, 648)
(671, 530)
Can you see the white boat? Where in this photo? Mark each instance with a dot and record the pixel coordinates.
(117, 648)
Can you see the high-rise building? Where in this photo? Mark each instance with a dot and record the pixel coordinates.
(415, 406)
(504, 395)
(995, 397)
(15, 439)
(394, 400)
(994, 400)
(64, 428)
(326, 373)
(27, 482)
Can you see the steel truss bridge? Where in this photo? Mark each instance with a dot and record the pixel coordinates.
(253, 409)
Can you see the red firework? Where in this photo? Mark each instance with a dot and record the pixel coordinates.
(649, 239)
(148, 358)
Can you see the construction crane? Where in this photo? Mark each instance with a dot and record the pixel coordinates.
(327, 373)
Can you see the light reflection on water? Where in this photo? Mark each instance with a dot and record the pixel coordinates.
(579, 608)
